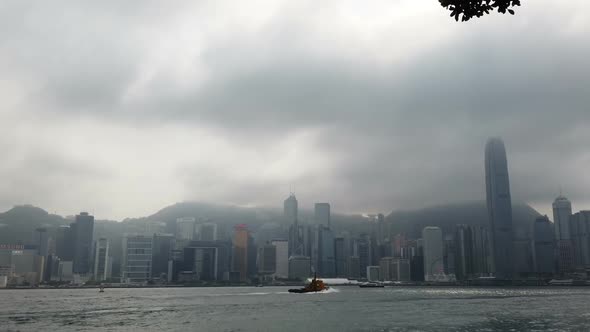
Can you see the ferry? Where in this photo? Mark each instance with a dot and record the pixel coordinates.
(371, 285)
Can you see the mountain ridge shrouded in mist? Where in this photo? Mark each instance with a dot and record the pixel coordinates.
(17, 224)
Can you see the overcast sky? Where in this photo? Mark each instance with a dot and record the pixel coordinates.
(123, 107)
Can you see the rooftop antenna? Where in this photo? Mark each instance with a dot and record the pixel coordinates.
(560, 191)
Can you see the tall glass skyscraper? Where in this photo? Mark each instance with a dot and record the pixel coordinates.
(82, 231)
(499, 209)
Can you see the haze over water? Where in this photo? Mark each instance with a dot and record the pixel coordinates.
(273, 309)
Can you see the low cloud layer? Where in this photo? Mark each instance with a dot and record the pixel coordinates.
(122, 108)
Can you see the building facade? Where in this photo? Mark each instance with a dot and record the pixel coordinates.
(499, 206)
(433, 253)
(136, 264)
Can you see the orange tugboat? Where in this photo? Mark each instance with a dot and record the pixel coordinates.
(316, 285)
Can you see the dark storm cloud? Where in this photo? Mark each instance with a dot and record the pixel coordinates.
(403, 124)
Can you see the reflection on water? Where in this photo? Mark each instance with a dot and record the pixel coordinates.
(273, 308)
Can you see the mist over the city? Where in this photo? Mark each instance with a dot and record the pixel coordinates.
(122, 108)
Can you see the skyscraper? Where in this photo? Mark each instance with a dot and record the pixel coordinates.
(290, 216)
(266, 261)
(340, 257)
(282, 258)
(185, 228)
(83, 229)
(290, 209)
(162, 247)
(499, 209)
(433, 252)
(208, 232)
(41, 241)
(464, 260)
(240, 252)
(562, 214)
(579, 231)
(101, 260)
(136, 266)
(322, 214)
(544, 240)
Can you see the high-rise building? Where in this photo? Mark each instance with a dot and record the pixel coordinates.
(464, 260)
(433, 253)
(295, 230)
(240, 251)
(394, 269)
(41, 240)
(362, 249)
(282, 258)
(449, 254)
(163, 245)
(64, 243)
(499, 209)
(322, 214)
(185, 228)
(322, 253)
(482, 255)
(354, 267)
(544, 240)
(136, 265)
(340, 257)
(562, 213)
(208, 260)
(208, 232)
(299, 267)
(290, 209)
(266, 262)
(101, 260)
(373, 273)
(82, 231)
(580, 233)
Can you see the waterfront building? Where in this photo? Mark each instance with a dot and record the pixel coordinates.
(299, 267)
(82, 232)
(464, 249)
(354, 267)
(102, 261)
(386, 268)
(340, 257)
(373, 273)
(499, 206)
(544, 240)
(136, 265)
(580, 234)
(362, 249)
(266, 261)
(282, 258)
(208, 260)
(65, 271)
(163, 245)
(64, 243)
(240, 251)
(562, 213)
(433, 253)
(41, 240)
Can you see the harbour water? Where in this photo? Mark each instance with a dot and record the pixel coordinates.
(274, 309)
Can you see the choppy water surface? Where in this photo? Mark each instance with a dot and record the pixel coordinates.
(273, 309)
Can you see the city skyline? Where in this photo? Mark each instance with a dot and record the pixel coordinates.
(351, 103)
